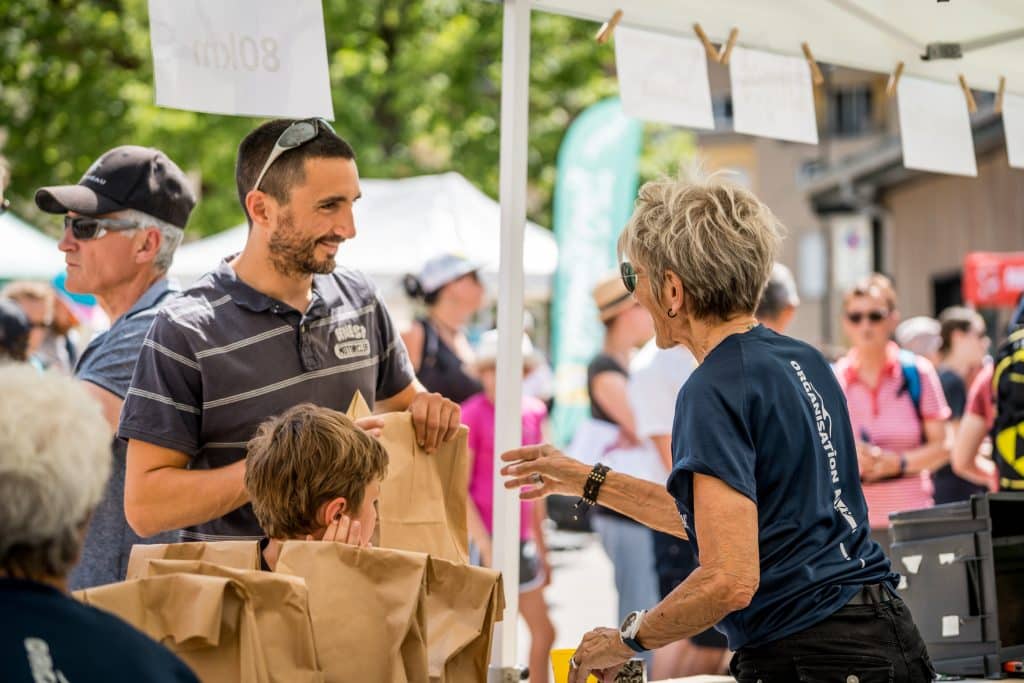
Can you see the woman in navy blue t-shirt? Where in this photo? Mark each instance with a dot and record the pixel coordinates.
(765, 481)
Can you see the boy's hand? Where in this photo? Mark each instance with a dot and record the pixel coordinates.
(343, 530)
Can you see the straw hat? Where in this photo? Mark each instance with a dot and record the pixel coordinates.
(611, 297)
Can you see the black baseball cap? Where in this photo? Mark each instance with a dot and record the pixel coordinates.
(126, 177)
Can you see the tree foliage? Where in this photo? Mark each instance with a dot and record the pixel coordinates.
(416, 89)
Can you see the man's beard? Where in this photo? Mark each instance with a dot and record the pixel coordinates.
(294, 256)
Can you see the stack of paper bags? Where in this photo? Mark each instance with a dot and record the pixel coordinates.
(423, 499)
(228, 625)
(372, 610)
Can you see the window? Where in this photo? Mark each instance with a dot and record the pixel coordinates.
(849, 111)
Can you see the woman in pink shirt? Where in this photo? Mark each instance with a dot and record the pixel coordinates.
(899, 442)
(534, 572)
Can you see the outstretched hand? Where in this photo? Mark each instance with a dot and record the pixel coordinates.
(542, 471)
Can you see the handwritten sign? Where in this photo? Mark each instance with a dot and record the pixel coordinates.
(1013, 125)
(663, 78)
(241, 57)
(935, 127)
(772, 96)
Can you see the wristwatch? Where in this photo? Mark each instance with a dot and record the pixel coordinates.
(630, 627)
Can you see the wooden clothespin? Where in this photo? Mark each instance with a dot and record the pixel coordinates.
(972, 106)
(1000, 94)
(726, 52)
(608, 28)
(894, 80)
(708, 47)
(815, 71)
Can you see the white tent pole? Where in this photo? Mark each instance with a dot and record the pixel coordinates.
(515, 90)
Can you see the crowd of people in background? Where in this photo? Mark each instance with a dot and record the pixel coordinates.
(171, 375)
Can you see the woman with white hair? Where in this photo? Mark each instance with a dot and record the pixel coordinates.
(764, 480)
(54, 464)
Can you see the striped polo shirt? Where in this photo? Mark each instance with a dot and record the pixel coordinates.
(885, 416)
(222, 357)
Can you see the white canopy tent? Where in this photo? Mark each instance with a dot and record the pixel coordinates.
(25, 252)
(402, 223)
(873, 35)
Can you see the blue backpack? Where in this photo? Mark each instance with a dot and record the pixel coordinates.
(912, 382)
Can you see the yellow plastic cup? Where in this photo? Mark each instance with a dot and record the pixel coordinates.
(560, 665)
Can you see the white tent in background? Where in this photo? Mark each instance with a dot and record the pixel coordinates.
(25, 252)
(400, 224)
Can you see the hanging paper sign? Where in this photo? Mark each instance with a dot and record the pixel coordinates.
(772, 96)
(1013, 126)
(663, 78)
(241, 57)
(935, 127)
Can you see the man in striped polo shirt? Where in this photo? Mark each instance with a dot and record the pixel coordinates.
(276, 325)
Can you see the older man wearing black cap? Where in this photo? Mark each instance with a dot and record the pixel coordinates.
(122, 223)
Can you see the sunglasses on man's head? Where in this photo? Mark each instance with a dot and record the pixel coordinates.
(89, 228)
(872, 316)
(295, 135)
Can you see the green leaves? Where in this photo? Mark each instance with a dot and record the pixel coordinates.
(416, 88)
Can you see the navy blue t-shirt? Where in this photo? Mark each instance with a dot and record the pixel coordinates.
(46, 635)
(764, 414)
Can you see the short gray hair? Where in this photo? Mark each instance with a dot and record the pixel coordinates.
(779, 294)
(172, 236)
(54, 464)
(717, 237)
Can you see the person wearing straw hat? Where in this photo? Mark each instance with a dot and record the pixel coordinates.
(478, 413)
(449, 285)
(765, 479)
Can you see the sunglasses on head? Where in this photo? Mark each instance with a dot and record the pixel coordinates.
(295, 135)
(89, 228)
(872, 316)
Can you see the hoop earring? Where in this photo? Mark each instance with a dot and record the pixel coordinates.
(670, 313)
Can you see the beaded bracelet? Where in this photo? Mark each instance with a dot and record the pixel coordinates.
(591, 487)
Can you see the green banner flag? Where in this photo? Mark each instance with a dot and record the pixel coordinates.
(594, 194)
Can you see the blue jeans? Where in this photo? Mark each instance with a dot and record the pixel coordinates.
(630, 547)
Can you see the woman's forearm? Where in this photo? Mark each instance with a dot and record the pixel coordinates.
(646, 502)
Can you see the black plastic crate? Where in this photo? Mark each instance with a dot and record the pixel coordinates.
(963, 578)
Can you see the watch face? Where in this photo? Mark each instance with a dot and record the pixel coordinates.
(629, 624)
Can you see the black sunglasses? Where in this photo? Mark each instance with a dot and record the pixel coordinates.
(873, 316)
(295, 135)
(629, 276)
(88, 228)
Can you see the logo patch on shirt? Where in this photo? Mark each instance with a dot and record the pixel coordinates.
(351, 341)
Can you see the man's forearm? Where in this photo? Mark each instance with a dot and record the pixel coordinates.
(646, 502)
(171, 498)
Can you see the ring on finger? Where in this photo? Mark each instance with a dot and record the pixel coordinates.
(573, 664)
(538, 478)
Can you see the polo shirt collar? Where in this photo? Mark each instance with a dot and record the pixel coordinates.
(325, 290)
(892, 367)
(152, 296)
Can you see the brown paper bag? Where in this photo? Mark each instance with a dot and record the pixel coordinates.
(463, 603)
(423, 500)
(367, 606)
(236, 554)
(208, 621)
(282, 616)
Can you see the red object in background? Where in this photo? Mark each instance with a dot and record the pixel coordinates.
(993, 279)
